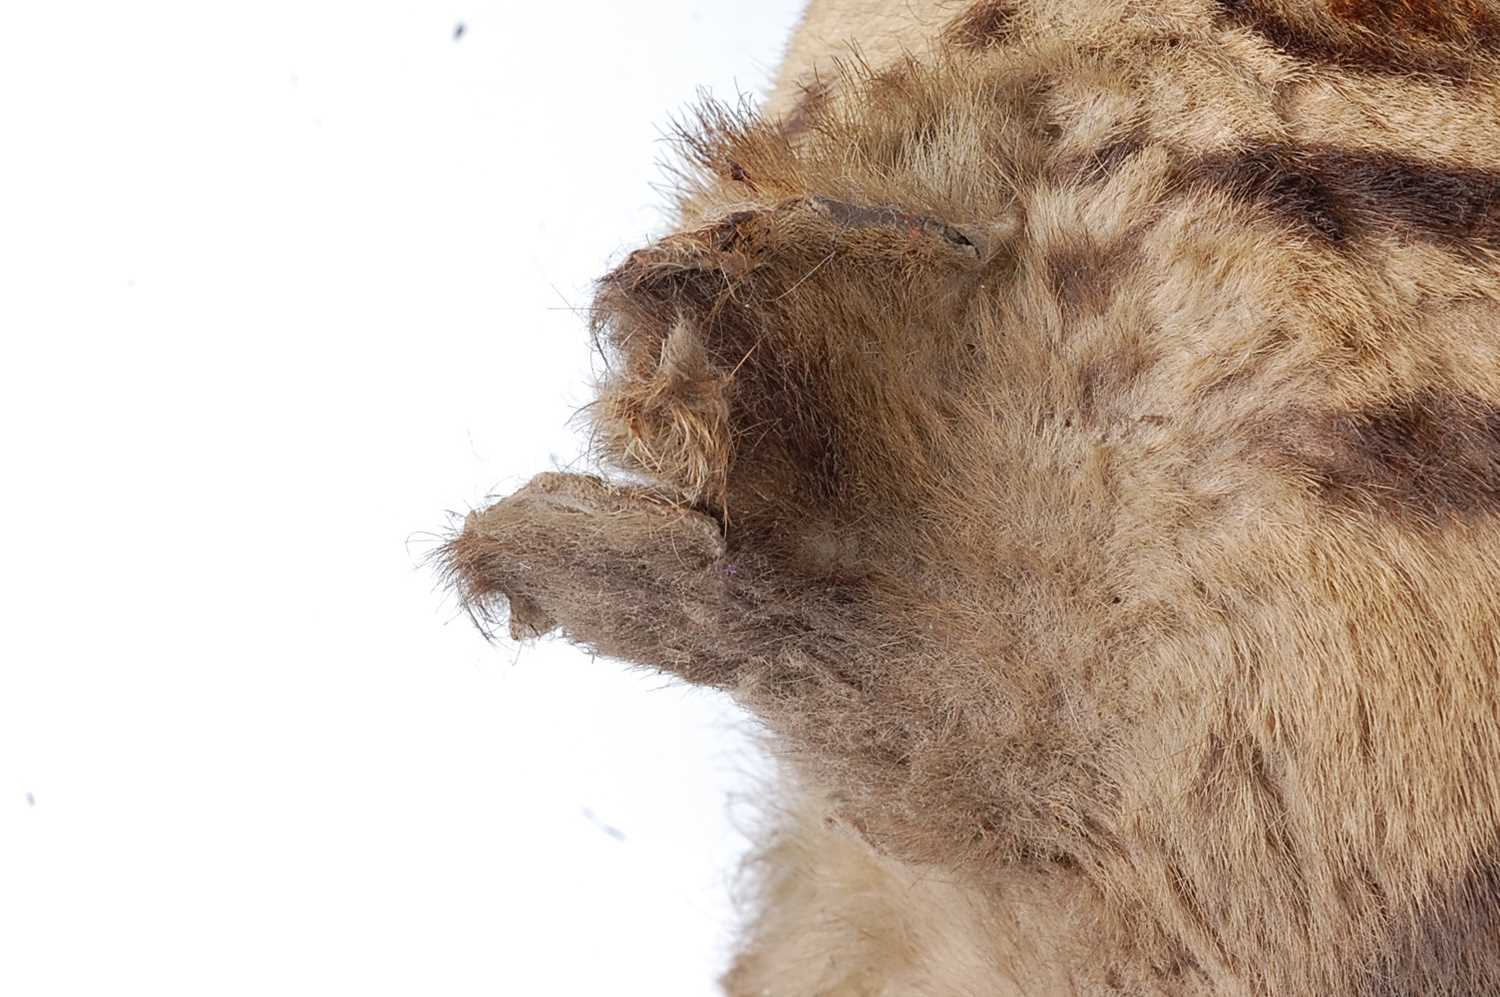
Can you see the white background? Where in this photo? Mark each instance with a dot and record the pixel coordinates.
(280, 283)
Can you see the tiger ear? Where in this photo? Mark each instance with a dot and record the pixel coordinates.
(624, 571)
(716, 334)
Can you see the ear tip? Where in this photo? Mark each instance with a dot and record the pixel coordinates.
(528, 620)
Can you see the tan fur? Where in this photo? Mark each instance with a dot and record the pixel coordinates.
(833, 31)
(1074, 430)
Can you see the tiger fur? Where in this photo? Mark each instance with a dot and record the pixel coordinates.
(1072, 427)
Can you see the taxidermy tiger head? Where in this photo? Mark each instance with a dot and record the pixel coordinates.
(1079, 445)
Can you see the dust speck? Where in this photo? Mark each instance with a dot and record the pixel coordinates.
(613, 832)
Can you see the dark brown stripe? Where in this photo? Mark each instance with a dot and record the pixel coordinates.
(1365, 51)
(1082, 274)
(1434, 456)
(1447, 946)
(1279, 180)
(983, 25)
(1339, 194)
(1461, 21)
(1107, 159)
(1190, 903)
(1105, 377)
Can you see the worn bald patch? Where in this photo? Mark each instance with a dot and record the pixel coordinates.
(850, 215)
(1430, 456)
(982, 26)
(1367, 51)
(1337, 194)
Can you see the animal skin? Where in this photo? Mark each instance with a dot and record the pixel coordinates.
(1072, 427)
